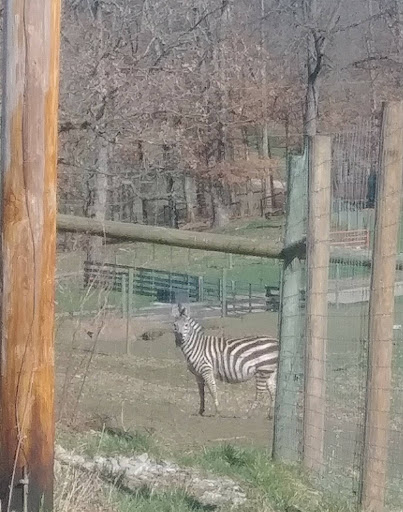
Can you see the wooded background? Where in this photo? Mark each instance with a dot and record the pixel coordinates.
(181, 111)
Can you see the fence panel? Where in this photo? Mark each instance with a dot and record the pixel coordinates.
(238, 295)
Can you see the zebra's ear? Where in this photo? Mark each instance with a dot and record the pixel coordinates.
(175, 311)
(182, 310)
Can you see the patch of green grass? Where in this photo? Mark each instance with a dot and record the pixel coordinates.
(71, 296)
(109, 442)
(254, 228)
(145, 500)
(271, 484)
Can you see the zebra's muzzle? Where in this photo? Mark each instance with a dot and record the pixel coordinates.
(178, 339)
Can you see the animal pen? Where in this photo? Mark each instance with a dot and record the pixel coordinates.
(339, 404)
(339, 398)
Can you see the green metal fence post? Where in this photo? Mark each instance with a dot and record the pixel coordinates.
(130, 293)
(223, 292)
(124, 295)
(201, 289)
(125, 310)
(287, 439)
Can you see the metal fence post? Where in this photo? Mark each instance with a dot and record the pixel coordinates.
(337, 287)
(124, 295)
(201, 289)
(126, 312)
(130, 292)
(287, 438)
(223, 282)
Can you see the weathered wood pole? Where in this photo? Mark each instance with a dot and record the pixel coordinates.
(27, 252)
(125, 231)
(319, 199)
(381, 310)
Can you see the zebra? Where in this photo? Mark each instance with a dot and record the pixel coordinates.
(229, 360)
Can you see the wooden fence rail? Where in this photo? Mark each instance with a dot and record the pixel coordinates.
(176, 238)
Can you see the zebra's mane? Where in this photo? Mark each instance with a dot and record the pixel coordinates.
(196, 324)
(183, 312)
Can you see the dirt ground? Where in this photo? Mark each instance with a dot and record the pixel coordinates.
(152, 389)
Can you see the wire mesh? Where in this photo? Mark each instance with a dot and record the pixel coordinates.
(115, 327)
(352, 419)
(354, 161)
(331, 424)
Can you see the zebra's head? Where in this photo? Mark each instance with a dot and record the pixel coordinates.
(185, 328)
(182, 326)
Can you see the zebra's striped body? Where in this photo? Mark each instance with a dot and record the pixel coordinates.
(229, 360)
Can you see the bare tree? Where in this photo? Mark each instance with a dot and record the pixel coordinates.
(201, 84)
(319, 26)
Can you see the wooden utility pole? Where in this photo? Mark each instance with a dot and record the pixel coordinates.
(28, 241)
(381, 309)
(318, 257)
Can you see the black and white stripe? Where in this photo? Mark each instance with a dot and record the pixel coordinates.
(230, 360)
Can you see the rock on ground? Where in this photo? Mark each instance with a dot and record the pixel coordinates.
(139, 471)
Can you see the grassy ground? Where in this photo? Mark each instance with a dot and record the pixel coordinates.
(160, 396)
(270, 486)
(152, 393)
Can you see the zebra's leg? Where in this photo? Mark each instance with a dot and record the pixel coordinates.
(212, 387)
(261, 386)
(200, 384)
(271, 388)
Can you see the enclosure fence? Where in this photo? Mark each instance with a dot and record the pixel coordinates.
(339, 405)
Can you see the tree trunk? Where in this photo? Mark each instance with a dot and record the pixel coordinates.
(220, 212)
(98, 199)
(190, 198)
(245, 142)
(311, 103)
(201, 197)
(173, 220)
(369, 40)
(265, 129)
(316, 42)
(268, 199)
(98, 195)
